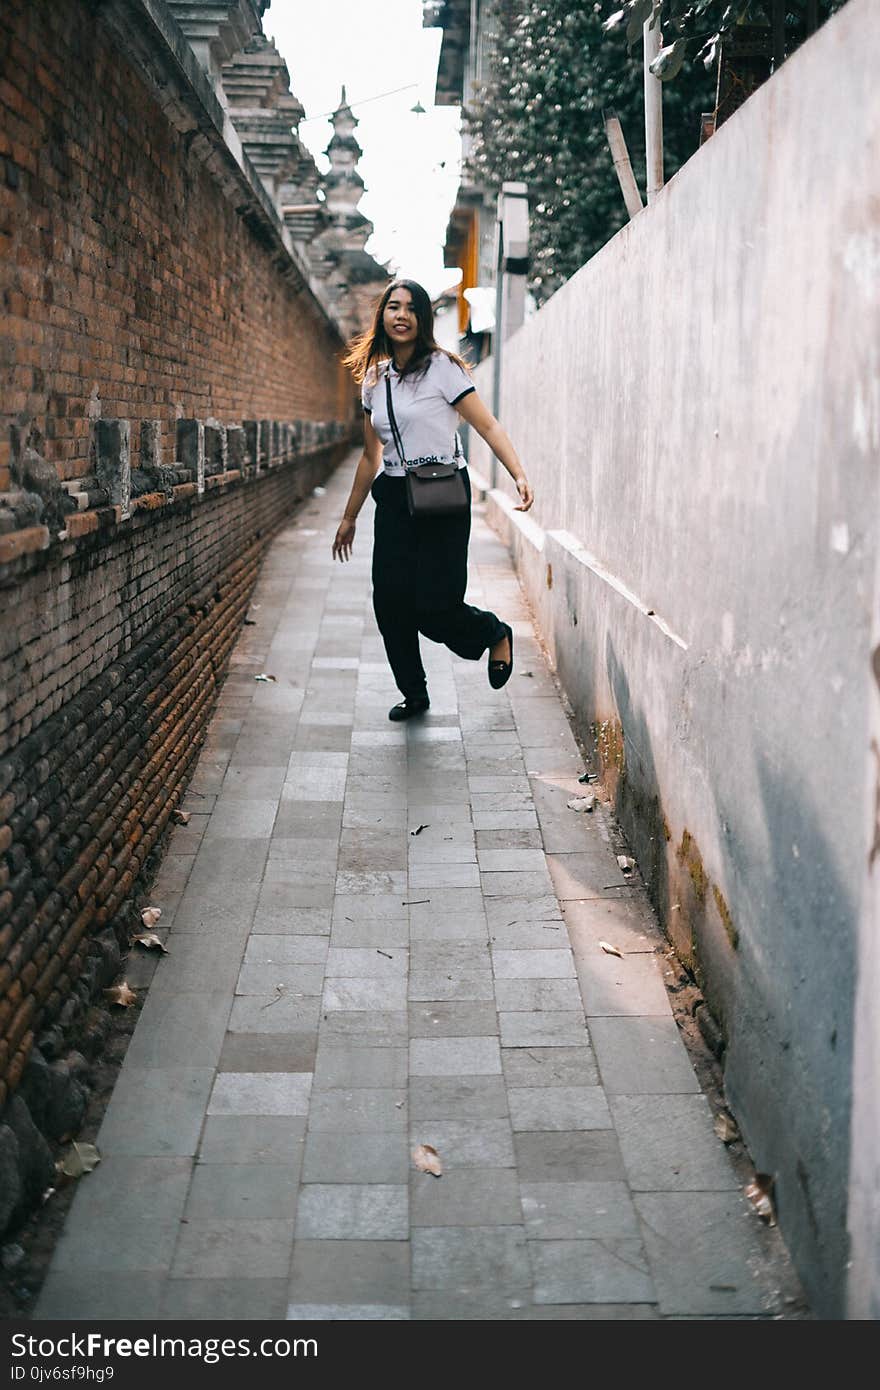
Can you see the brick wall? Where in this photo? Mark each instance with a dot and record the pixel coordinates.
(142, 279)
(130, 285)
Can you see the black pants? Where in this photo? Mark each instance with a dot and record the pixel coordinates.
(419, 582)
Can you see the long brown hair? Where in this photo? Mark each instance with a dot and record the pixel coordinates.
(372, 347)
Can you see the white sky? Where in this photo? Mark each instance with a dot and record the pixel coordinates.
(373, 48)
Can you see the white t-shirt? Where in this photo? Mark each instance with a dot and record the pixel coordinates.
(424, 408)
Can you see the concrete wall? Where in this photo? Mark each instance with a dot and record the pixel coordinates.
(699, 411)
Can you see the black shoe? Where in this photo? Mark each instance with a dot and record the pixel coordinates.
(407, 708)
(500, 671)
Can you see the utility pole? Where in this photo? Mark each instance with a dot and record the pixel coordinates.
(653, 113)
(511, 265)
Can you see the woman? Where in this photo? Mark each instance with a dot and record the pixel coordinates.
(420, 564)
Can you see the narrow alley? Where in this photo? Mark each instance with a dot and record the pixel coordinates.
(381, 937)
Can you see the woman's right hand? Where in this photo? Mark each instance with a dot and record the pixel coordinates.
(344, 539)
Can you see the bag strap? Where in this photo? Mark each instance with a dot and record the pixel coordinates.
(398, 443)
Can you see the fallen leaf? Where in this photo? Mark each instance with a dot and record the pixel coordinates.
(419, 828)
(182, 817)
(760, 1194)
(610, 950)
(263, 677)
(627, 864)
(79, 1159)
(150, 916)
(121, 994)
(527, 673)
(427, 1160)
(725, 1127)
(583, 803)
(151, 941)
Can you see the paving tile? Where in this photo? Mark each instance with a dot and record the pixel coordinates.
(377, 1028)
(511, 859)
(260, 1093)
(563, 1108)
(246, 1249)
(578, 1210)
(579, 1156)
(273, 1139)
(387, 934)
(349, 1067)
(669, 1145)
(197, 964)
(467, 1019)
(293, 980)
(270, 1052)
(235, 1191)
(273, 1013)
(456, 1098)
(276, 916)
(451, 1257)
(367, 1110)
(532, 884)
(705, 1255)
(454, 1056)
(241, 817)
(612, 987)
(639, 1056)
(360, 995)
(424, 988)
(155, 1112)
(221, 1300)
(349, 1273)
(353, 1211)
(549, 1066)
(442, 1305)
(361, 1157)
(172, 1026)
(535, 995)
(563, 1028)
(125, 1243)
(466, 1197)
(284, 949)
(366, 963)
(262, 783)
(466, 1143)
(75, 1296)
(551, 963)
(584, 874)
(372, 907)
(611, 1270)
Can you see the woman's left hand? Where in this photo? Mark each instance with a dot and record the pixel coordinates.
(526, 496)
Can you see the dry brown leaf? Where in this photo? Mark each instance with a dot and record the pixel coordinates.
(121, 994)
(263, 677)
(725, 1127)
(151, 941)
(79, 1159)
(610, 950)
(182, 817)
(150, 916)
(427, 1160)
(626, 862)
(760, 1194)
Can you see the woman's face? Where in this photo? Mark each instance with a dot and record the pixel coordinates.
(399, 318)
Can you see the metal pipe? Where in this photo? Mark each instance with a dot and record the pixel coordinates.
(653, 113)
(622, 166)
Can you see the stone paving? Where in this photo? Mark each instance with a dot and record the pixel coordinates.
(343, 985)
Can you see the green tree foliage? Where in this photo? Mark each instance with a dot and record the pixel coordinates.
(539, 118)
(696, 28)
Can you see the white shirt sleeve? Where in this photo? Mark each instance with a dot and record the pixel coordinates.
(452, 380)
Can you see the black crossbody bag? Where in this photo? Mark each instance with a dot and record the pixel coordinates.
(432, 489)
